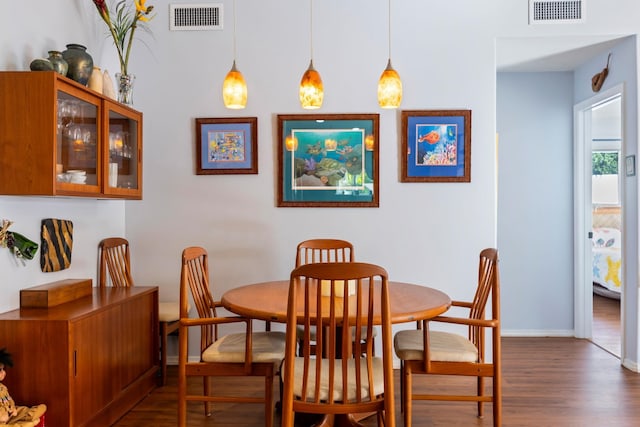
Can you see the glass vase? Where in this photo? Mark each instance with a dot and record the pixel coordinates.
(125, 87)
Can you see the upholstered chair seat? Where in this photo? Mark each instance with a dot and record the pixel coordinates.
(266, 346)
(443, 346)
(338, 393)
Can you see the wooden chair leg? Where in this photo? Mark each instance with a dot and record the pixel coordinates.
(207, 405)
(497, 401)
(407, 395)
(480, 393)
(402, 396)
(163, 352)
(268, 399)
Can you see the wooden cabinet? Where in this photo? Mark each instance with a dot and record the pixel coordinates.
(90, 360)
(60, 138)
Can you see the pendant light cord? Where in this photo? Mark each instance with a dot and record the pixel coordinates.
(389, 15)
(311, 29)
(234, 31)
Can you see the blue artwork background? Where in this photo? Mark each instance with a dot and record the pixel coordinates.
(243, 130)
(451, 130)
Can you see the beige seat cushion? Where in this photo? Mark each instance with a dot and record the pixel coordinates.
(300, 332)
(443, 346)
(170, 311)
(266, 346)
(378, 379)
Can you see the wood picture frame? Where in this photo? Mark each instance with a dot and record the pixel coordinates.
(436, 146)
(328, 160)
(226, 145)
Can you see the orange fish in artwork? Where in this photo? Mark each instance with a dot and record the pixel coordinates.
(432, 137)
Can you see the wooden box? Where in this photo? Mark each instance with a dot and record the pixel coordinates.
(55, 293)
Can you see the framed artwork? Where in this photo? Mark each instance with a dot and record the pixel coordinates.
(226, 145)
(328, 160)
(437, 146)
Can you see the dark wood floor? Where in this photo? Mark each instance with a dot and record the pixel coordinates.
(548, 382)
(606, 324)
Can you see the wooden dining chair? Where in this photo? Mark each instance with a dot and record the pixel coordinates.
(425, 351)
(313, 251)
(336, 380)
(238, 354)
(114, 268)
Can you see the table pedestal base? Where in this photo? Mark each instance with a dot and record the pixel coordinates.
(339, 420)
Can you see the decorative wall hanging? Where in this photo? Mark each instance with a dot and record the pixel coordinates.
(57, 243)
(227, 146)
(328, 160)
(19, 245)
(437, 146)
(598, 79)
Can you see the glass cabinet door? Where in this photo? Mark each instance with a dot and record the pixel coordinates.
(77, 153)
(123, 170)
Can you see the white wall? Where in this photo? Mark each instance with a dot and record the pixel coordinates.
(535, 203)
(426, 233)
(24, 35)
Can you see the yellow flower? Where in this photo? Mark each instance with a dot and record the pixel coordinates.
(122, 25)
(140, 6)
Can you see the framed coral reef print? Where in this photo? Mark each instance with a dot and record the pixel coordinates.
(437, 146)
(328, 160)
(226, 145)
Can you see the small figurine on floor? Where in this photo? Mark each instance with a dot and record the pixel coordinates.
(10, 414)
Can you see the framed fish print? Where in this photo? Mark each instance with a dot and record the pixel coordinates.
(436, 146)
(226, 145)
(328, 160)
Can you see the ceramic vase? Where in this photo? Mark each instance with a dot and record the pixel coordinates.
(96, 80)
(125, 87)
(41, 64)
(107, 85)
(60, 66)
(80, 63)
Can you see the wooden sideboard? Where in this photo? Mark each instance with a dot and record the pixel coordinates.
(89, 360)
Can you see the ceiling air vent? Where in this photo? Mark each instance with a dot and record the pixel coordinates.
(556, 12)
(195, 17)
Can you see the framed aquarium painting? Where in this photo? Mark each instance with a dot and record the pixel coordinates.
(328, 160)
(226, 146)
(437, 146)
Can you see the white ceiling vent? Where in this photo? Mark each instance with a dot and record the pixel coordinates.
(195, 17)
(556, 12)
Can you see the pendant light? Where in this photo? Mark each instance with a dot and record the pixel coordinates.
(389, 85)
(311, 89)
(234, 88)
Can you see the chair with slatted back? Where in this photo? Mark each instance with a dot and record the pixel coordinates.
(325, 250)
(238, 354)
(114, 268)
(448, 353)
(334, 299)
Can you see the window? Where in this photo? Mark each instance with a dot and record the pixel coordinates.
(605, 177)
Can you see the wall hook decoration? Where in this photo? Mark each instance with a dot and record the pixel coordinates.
(598, 79)
(20, 246)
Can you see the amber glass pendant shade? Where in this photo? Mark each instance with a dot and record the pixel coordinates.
(311, 89)
(234, 89)
(389, 88)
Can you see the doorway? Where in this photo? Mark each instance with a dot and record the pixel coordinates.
(606, 178)
(599, 171)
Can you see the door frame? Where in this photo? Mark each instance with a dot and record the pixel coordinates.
(583, 221)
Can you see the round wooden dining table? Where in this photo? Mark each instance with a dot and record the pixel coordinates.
(268, 301)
